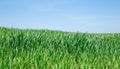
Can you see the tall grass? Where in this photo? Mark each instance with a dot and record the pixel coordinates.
(44, 49)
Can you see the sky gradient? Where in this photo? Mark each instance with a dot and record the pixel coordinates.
(94, 16)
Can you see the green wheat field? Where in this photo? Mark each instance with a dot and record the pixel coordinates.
(46, 49)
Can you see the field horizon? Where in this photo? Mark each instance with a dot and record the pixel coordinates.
(58, 30)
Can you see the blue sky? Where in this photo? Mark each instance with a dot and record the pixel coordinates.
(94, 16)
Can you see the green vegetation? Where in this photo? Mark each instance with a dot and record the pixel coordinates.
(44, 49)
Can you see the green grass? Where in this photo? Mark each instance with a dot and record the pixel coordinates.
(45, 49)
